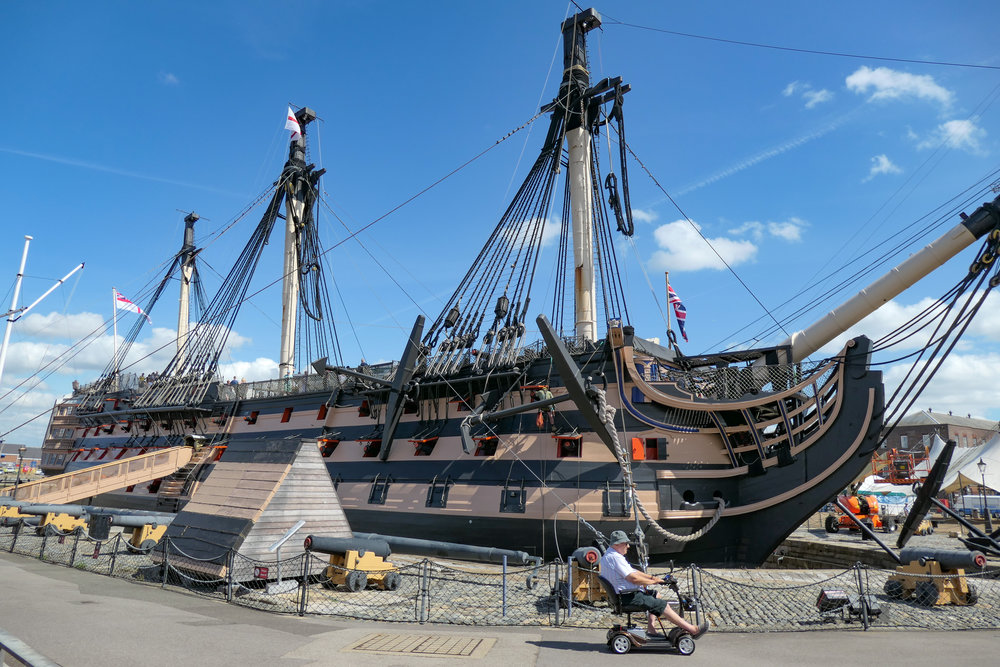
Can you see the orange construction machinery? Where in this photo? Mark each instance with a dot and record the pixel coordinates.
(865, 508)
(897, 467)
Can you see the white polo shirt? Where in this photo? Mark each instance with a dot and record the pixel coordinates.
(616, 569)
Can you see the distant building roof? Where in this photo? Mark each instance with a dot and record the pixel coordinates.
(9, 449)
(930, 418)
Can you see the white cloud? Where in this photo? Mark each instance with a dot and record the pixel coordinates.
(811, 96)
(260, 368)
(60, 326)
(788, 230)
(814, 98)
(753, 229)
(961, 134)
(881, 164)
(965, 383)
(169, 79)
(643, 215)
(890, 84)
(683, 249)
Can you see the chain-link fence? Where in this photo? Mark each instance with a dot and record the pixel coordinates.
(553, 594)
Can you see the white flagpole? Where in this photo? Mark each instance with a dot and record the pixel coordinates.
(114, 318)
(666, 278)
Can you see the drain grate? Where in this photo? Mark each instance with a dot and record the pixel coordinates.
(436, 645)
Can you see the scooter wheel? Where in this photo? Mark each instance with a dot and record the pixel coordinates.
(685, 644)
(620, 644)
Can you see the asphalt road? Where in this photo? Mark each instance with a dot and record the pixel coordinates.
(79, 619)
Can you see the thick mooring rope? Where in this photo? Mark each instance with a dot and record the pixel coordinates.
(607, 416)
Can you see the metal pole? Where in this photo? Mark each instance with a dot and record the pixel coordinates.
(862, 598)
(20, 460)
(13, 306)
(986, 505)
(503, 589)
(114, 554)
(569, 587)
(114, 319)
(556, 564)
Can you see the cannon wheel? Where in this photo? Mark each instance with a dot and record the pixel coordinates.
(392, 581)
(620, 644)
(972, 597)
(832, 525)
(894, 589)
(356, 581)
(926, 593)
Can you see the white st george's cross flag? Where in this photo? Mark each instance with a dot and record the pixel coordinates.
(292, 123)
(124, 304)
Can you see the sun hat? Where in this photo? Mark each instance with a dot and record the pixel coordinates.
(618, 536)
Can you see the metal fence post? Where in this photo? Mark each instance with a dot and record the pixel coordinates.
(304, 587)
(862, 595)
(555, 564)
(503, 589)
(45, 537)
(76, 545)
(114, 554)
(16, 531)
(425, 575)
(569, 587)
(166, 561)
(230, 564)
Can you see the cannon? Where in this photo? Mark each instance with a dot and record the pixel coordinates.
(935, 577)
(416, 547)
(356, 562)
(583, 574)
(147, 529)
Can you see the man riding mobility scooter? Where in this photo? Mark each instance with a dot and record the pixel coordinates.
(624, 584)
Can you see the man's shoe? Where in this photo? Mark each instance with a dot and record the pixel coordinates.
(702, 629)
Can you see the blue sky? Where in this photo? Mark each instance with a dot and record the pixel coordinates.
(118, 114)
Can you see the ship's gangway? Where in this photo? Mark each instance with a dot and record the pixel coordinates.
(73, 486)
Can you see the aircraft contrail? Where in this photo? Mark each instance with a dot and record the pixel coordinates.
(111, 170)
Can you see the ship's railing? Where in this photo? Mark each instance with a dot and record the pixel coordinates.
(734, 382)
(296, 384)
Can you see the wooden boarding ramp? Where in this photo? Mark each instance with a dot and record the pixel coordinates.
(89, 482)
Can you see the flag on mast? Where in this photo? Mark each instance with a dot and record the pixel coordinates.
(124, 304)
(292, 123)
(680, 312)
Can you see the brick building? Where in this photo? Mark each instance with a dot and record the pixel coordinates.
(915, 431)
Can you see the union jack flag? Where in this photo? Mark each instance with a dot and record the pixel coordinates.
(680, 312)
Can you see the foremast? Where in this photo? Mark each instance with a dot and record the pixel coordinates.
(573, 93)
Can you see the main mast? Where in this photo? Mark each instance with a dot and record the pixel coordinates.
(187, 274)
(294, 221)
(572, 93)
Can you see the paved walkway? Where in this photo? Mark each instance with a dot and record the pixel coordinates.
(79, 619)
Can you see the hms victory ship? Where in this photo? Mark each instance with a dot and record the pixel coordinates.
(482, 435)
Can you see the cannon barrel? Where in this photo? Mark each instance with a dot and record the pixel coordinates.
(80, 510)
(341, 545)
(134, 520)
(409, 545)
(983, 220)
(949, 559)
(586, 555)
